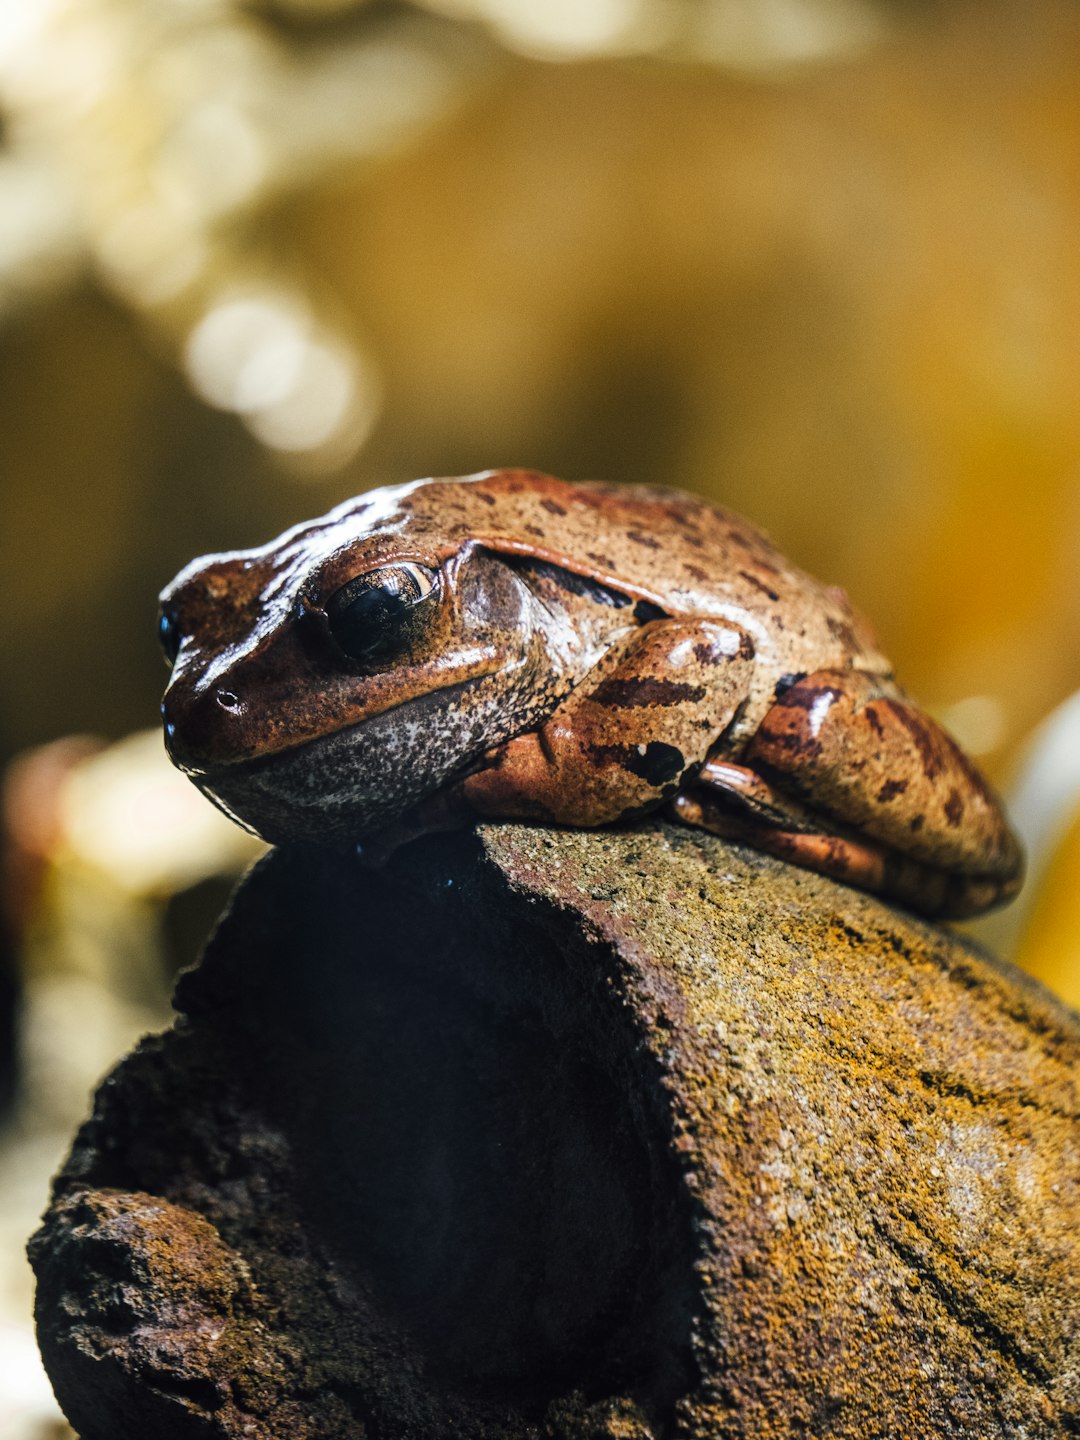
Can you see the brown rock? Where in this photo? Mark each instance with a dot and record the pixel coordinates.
(628, 1134)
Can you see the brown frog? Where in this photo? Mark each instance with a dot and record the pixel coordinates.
(511, 645)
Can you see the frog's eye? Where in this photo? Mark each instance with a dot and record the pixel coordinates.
(169, 635)
(376, 614)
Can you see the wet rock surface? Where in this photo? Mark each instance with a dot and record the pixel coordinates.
(628, 1134)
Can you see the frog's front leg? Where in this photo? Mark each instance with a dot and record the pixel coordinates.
(628, 735)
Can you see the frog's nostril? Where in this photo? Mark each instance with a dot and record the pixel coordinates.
(229, 702)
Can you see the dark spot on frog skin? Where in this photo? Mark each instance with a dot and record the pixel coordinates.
(695, 540)
(684, 516)
(697, 573)
(925, 741)
(645, 611)
(954, 808)
(533, 530)
(916, 823)
(806, 697)
(656, 762)
(784, 684)
(553, 507)
(646, 691)
(485, 496)
(890, 790)
(752, 579)
(795, 743)
(638, 538)
(874, 722)
(604, 560)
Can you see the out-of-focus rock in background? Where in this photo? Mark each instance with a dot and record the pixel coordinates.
(1041, 930)
(814, 258)
(113, 871)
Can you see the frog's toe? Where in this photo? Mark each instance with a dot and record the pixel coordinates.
(850, 858)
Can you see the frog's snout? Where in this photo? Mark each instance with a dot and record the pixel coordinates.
(204, 730)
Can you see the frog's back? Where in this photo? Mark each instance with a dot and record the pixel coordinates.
(676, 550)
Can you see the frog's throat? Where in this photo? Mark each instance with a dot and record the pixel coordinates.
(339, 787)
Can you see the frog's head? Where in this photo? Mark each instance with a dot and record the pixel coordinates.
(326, 682)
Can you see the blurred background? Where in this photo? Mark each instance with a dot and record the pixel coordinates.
(815, 259)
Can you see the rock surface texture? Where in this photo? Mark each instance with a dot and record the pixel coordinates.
(546, 1134)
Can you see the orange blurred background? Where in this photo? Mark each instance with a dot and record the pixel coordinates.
(815, 259)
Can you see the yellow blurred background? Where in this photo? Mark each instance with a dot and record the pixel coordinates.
(816, 259)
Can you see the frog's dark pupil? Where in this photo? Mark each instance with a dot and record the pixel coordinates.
(369, 616)
(169, 635)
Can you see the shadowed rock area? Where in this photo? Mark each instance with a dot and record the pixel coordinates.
(619, 1134)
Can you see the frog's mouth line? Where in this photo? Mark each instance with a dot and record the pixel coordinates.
(381, 721)
(358, 779)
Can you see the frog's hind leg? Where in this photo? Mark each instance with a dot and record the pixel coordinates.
(895, 801)
(750, 812)
(628, 736)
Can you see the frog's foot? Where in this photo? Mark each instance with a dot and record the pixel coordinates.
(844, 775)
(754, 814)
(853, 748)
(626, 738)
